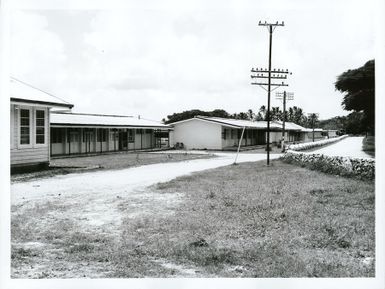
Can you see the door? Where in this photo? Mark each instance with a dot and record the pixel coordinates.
(123, 138)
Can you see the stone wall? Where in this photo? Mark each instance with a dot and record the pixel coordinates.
(363, 168)
(310, 145)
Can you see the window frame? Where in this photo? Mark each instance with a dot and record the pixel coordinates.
(131, 135)
(35, 127)
(19, 109)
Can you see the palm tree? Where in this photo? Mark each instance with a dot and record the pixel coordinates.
(261, 113)
(250, 114)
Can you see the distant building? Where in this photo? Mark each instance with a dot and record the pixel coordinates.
(81, 133)
(30, 125)
(217, 133)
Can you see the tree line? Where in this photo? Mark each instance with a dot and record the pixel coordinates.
(293, 114)
(359, 97)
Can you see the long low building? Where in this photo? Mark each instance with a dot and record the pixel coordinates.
(217, 133)
(81, 133)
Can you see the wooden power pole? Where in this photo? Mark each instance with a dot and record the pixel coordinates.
(285, 96)
(269, 74)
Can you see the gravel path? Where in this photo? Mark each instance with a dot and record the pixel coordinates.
(348, 147)
(118, 181)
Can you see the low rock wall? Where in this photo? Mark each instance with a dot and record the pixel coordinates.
(310, 145)
(363, 168)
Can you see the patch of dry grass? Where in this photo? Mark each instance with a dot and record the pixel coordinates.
(278, 221)
(245, 220)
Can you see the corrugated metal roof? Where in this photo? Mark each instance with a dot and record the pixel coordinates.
(311, 130)
(89, 120)
(240, 122)
(290, 126)
(23, 92)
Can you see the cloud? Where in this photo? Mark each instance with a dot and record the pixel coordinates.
(36, 52)
(174, 57)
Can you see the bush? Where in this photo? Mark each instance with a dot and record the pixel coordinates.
(345, 166)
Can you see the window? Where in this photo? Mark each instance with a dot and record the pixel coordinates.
(88, 135)
(102, 135)
(57, 135)
(40, 126)
(114, 134)
(74, 136)
(25, 126)
(224, 132)
(131, 136)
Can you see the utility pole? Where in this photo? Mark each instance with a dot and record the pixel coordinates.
(271, 74)
(313, 117)
(284, 96)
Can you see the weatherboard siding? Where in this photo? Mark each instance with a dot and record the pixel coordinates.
(29, 155)
(32, 153)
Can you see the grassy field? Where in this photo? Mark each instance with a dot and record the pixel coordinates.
(61, 166)
(368, 145)
(245, 220)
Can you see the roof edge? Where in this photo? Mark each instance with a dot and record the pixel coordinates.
(16, 99)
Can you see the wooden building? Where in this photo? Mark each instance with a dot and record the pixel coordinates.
(217, 133)
(81, 133)
(29, 120)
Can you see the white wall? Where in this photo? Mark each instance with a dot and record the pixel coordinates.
(197, 134)
(31, 153)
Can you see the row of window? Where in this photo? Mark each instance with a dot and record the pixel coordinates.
(228, 133)
(25, 126)
(58, 135)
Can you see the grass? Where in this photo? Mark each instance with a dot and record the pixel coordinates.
(62, 166)
(245, 220)
(368, 145)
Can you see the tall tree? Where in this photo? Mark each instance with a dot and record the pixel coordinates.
(358, 86)
(261, 115)
(250, 114)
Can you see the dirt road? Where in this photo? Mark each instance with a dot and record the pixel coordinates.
(348, 147)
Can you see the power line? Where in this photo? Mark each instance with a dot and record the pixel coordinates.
(271, 74)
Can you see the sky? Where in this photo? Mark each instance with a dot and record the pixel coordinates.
(154, 60)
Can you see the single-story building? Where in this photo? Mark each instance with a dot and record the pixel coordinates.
(308, 134)
(293, 132)
(29, 124)
(82, 133)
(217, 133)
(330, 133)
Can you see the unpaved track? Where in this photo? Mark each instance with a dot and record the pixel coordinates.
(348, 147)
(118, 181)
(98, 202)
(96, 198)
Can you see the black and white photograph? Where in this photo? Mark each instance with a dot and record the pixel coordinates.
(192, 144)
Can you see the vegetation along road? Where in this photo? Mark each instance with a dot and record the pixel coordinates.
(247, 220)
